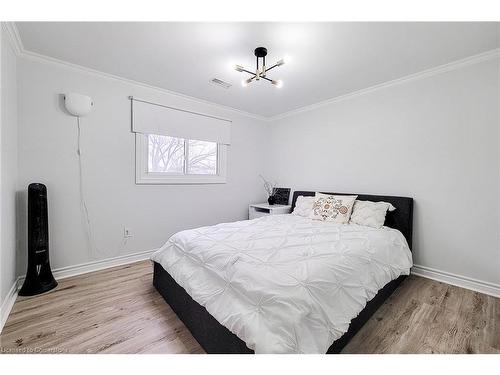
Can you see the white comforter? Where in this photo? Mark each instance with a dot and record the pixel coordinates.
(285, 283)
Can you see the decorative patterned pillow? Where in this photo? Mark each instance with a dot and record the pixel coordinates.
(336, 208)
(303, 206)
(371, 214)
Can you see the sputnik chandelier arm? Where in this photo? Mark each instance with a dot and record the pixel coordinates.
(261, 70)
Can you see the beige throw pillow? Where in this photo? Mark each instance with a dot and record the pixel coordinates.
(336, 208)
(303, 206)
(371, 214)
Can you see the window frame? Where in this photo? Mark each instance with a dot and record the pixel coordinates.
(144, 177)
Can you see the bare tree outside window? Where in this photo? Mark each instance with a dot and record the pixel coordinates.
(167, 155)
(202, 157)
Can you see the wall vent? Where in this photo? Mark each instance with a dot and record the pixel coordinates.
(221, 83)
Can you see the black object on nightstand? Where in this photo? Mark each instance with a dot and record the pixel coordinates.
(281, 196)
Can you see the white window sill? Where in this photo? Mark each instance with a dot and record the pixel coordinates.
(179, 180)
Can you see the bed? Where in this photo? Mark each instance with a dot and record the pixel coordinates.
(283, 283)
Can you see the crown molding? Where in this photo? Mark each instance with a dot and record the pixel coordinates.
(64, 64)
(13, 35)
(471, 60)
(19, 49)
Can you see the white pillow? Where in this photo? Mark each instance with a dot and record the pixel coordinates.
(371, 214)
(303, 206)
(336, 208)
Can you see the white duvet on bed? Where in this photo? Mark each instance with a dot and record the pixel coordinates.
(285, 283)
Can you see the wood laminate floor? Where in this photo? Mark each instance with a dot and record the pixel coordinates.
(118, 311)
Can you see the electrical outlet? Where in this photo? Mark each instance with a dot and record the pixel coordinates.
(127, 232)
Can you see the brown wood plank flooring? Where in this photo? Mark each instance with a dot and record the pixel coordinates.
(426, 316)
(118, 311)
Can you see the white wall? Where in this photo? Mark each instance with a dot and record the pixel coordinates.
(434, 139)
(8, 166)
(47, 154)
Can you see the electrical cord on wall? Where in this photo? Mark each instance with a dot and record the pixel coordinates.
(88, 225)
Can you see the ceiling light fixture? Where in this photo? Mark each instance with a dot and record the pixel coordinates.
(261, 70)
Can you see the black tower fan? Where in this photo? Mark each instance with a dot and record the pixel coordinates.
(39, 277)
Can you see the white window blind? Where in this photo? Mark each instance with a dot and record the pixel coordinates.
(151, 118)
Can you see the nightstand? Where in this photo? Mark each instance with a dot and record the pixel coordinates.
(264, 209)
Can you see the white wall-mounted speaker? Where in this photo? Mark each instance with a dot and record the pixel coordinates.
(77, 104)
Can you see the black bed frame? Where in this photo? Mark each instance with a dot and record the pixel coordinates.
(215, 338)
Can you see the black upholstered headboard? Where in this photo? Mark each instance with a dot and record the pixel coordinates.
(401, 218)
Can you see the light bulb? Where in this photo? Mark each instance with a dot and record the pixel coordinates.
(278, 83)
(245, 82)
(284, 60)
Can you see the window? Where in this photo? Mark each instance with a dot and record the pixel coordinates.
(181, 156)
(161, 159)
(165, 154)
(178, 146)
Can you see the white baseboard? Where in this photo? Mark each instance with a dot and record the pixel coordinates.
(7, 304)
(97, 265)
(457, 280)
(78, 269)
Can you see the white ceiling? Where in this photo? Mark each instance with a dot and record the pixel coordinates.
(327, 59)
